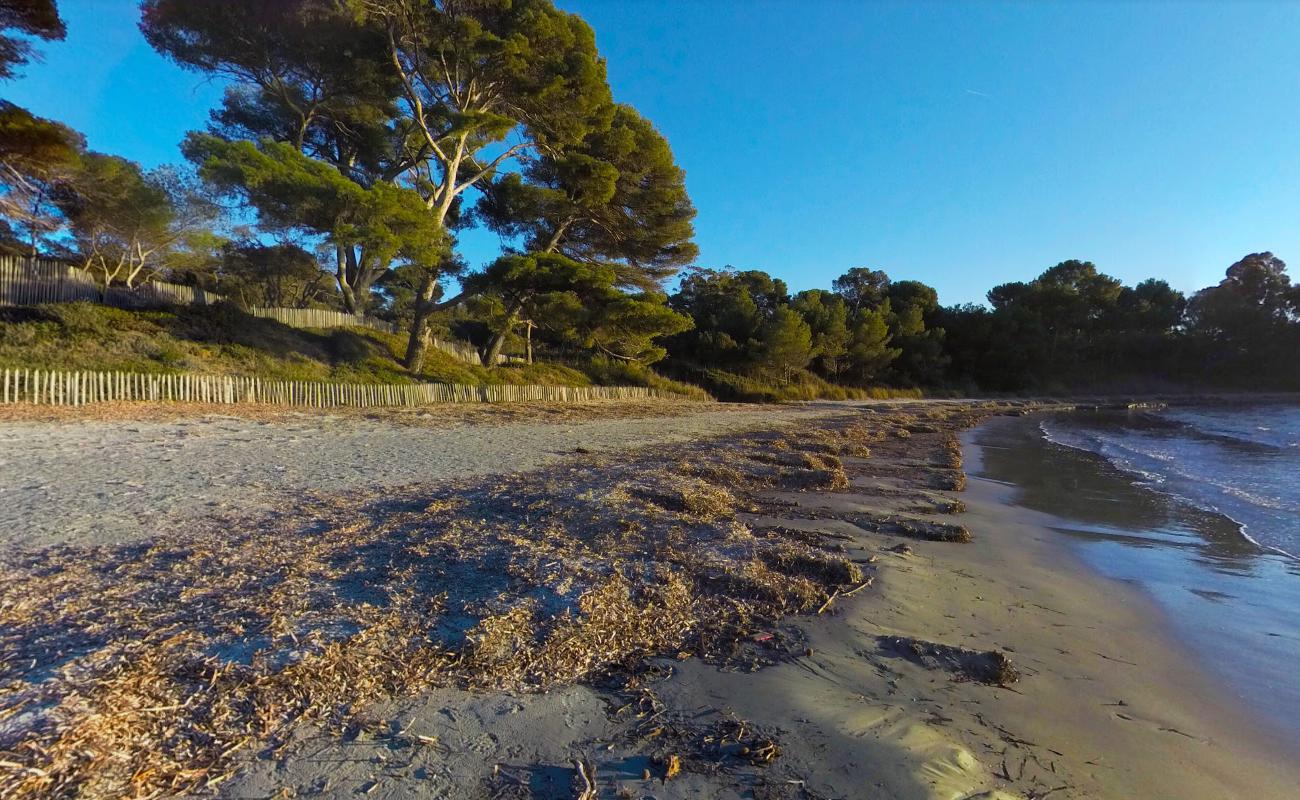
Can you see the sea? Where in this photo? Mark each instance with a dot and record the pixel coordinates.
(1199, 507)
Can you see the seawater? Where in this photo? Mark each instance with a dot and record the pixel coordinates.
(1242, 462)
(1199, 508)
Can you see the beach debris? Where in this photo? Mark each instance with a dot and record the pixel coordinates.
(928, 530)
(862, 585)
(680, 743)
(585, 779)
(672, 766)
(949, 507)
(992, 667)
(146, 670)
(829, 599)
(950, 480)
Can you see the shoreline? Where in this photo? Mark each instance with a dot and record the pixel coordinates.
(881, 686)
(1169, 676)
(1145, 481)
(1224, 599)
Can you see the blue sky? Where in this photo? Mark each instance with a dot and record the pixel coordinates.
(960, 144)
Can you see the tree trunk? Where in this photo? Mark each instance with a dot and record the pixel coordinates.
(499, 340)
(355, 274)
(341, 276)
(418, 343)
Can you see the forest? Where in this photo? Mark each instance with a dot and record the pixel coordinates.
(358, 139)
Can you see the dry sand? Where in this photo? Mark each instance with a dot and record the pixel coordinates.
(147, 470)
(1107, 704)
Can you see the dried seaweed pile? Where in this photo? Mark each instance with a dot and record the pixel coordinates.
(142, 671)
(989, 666)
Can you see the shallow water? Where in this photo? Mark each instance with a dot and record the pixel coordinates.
(1198, 508)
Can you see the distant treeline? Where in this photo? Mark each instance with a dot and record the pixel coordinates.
(1070, 328)
(357, 141)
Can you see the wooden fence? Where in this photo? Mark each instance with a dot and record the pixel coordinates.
(322, 318)
(29, 282)
(67, 388)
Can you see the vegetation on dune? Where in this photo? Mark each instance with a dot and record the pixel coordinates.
(222, 340)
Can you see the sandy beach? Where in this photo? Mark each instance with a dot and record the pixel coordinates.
(861, 620)
(138, 472)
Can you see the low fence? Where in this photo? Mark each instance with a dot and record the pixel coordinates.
(29, 282)
(69, 388)
(322, 318)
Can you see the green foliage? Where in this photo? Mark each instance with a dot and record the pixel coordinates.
(375, 151)
(576, 303)
(862, 288)
(869, 352)
(827, 316)
(280, 275)
(787, 343)
(801, 385)
(290, 190)
(223, 340)
(312, 85)
(616, 198)
(29, 143)
(37, 158)
(21, 20)
(606, 371)
(626, 326)
(128, 225)
(730, 310)
(1075, 327)
(1248, 326)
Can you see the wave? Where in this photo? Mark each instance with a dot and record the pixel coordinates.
(1275, 428)
(1159, 466)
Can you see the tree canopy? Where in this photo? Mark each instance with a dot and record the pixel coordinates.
(20, 22)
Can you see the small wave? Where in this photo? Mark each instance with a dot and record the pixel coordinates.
(1277, 430)
(1122, 454)
(1263, 501)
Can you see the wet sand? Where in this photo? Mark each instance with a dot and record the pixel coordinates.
(1230, 599)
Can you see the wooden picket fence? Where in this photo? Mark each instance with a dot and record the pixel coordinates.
(78, 388)
(28, 282)
(322, 318)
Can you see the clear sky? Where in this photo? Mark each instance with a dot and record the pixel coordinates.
(961, 144)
